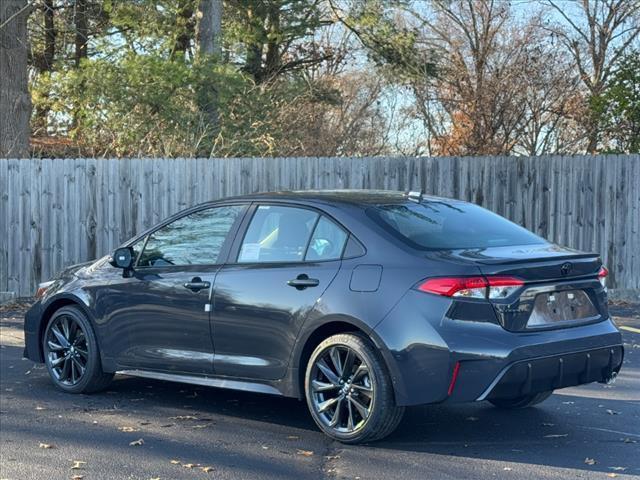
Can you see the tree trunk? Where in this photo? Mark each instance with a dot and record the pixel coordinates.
(82, 31)
(15, 102)
(209, 27)
(208, 48)
(185, 29)
(44, 64)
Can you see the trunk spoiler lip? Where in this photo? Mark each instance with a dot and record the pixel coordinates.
(519, 254)
(505, 261)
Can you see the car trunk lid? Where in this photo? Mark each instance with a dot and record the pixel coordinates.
(561, 285)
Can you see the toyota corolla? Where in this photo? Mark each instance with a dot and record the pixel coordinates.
(360, 302)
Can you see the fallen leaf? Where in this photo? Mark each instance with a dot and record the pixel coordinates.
(166, 425)
(618, 469)
(175, 462)
(155, 478)
(293, 437)
(39, 408)
(145, 423)
(629, 440)
(612, 412)
(47, 446)
(183, 417)
(205, 425)
(332, 457)
(589, 461)
(557, 435)
(305, 453)
(611, 475)
(77, 477)
(136, 443)
(190, 465)
(129, 429)
(568, 403)
(78, 465)
(507, 469)
(207, 469)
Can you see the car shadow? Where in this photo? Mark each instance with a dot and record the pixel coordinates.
(563, 432)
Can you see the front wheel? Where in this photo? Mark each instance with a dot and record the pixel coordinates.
(71, 353)
(523, 401)
(349, 392)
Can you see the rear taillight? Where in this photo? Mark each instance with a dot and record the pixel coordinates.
(472, 287)
(602, 276)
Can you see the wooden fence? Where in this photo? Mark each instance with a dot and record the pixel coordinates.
(56, 212)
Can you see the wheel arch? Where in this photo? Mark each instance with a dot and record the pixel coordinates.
(51, 307)
(328, 326)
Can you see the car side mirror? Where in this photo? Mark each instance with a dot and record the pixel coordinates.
(123, 258)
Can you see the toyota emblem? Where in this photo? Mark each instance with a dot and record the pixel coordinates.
(565, 268)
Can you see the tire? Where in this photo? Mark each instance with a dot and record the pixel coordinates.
(353, 402)
(71, 353)
(522, 401)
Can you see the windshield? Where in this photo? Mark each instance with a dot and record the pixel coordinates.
(442, 225)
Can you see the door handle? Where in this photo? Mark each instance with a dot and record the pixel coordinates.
(196, 284)
(303, 281)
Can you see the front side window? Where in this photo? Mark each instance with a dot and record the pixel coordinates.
(450, 225)
(195, 239)
(277, 234)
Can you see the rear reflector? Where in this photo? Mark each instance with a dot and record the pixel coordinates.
(454, 377)
(472, 287)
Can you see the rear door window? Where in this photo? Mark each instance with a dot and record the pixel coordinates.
(443, 225)
(277, 234)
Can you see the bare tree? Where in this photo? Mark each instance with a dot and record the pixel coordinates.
(474, 107)
(597, 35)
(15, 103)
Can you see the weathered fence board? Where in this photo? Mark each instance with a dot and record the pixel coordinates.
(56, 212)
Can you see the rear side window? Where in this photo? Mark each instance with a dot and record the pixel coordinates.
(442, 225)
(277, 234)
(327, 242)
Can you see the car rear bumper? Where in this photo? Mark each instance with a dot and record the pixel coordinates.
(538, 375)
(426, 347)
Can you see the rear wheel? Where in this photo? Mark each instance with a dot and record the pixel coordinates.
(71, 353)
(349, 392)
(523, 401)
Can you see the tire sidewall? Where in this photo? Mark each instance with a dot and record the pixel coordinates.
(346, 340)
(93, 362)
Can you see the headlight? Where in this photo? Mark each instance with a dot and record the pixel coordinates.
(42, 289)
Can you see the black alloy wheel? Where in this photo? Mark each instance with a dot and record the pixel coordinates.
(71, 353)
(342, 392)
(349, 391)
(68, 352)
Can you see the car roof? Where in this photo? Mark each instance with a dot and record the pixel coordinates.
(354, 197)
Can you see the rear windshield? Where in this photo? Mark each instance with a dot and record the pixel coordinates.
(441, 225)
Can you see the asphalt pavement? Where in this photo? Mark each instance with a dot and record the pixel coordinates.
(145, 429)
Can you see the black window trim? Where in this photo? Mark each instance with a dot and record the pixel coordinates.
(224, 250)
(234, 252)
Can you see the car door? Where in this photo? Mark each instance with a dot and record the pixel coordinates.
(159, 316)
(282, 264)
